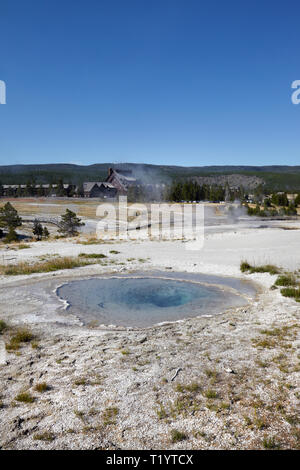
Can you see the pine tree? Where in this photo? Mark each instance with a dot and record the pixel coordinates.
(37, 229)
(9, 217)
(69, 223)
(45, 232)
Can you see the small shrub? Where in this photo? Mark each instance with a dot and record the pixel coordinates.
(23, 336)
(25, 397)
(192, 388)
(114, 252)
(177, 436)
(12, 346)
(12, 236)
(3, 326)
(42, 387)
(286, 280)
(211, 374)
(290, 292)
(161, 413)
(268, 268)
(270, 443)
(80, 381)
(211, 394)
(244, 266)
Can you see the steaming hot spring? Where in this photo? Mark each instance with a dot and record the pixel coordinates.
(142, 300)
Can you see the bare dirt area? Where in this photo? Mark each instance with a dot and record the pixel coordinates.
(228, 381)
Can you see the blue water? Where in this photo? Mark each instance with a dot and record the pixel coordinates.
(141, 302)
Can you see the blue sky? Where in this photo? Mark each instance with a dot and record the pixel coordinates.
(182, 82)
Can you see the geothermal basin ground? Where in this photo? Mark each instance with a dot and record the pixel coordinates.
(218, 381)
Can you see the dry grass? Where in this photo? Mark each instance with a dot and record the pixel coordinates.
(44, 436)
(24, 397)
(22, 335)
(42, 387)
(44, 267)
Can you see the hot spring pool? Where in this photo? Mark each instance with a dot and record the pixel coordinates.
(144, 301)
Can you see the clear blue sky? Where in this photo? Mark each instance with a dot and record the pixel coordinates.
(183, 82)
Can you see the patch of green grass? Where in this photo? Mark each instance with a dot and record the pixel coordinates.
(262, 364)
(260, 423)
(264, 343)
(274, 332)
(22, 246)
(194, 387)
(211, 394)
(270, 443)
(80, 381)
(44, 436)
(211, 374)
(91, 241)
(125, 352)
(267, 268)
(224, 405)
(286, 280)
(177, 436)
(92, 255)
(25, 397)
(245, 266)
(291, 292)
(161, 412)
(3, 326)
(114, 252)
(109, 415)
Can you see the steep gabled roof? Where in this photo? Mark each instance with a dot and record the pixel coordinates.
(88, 186)
(125, 178)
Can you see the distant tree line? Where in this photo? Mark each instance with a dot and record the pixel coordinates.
(193, 191)
(276, 205)
(146, 193)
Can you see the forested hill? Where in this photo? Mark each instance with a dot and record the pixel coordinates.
(280, 178)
